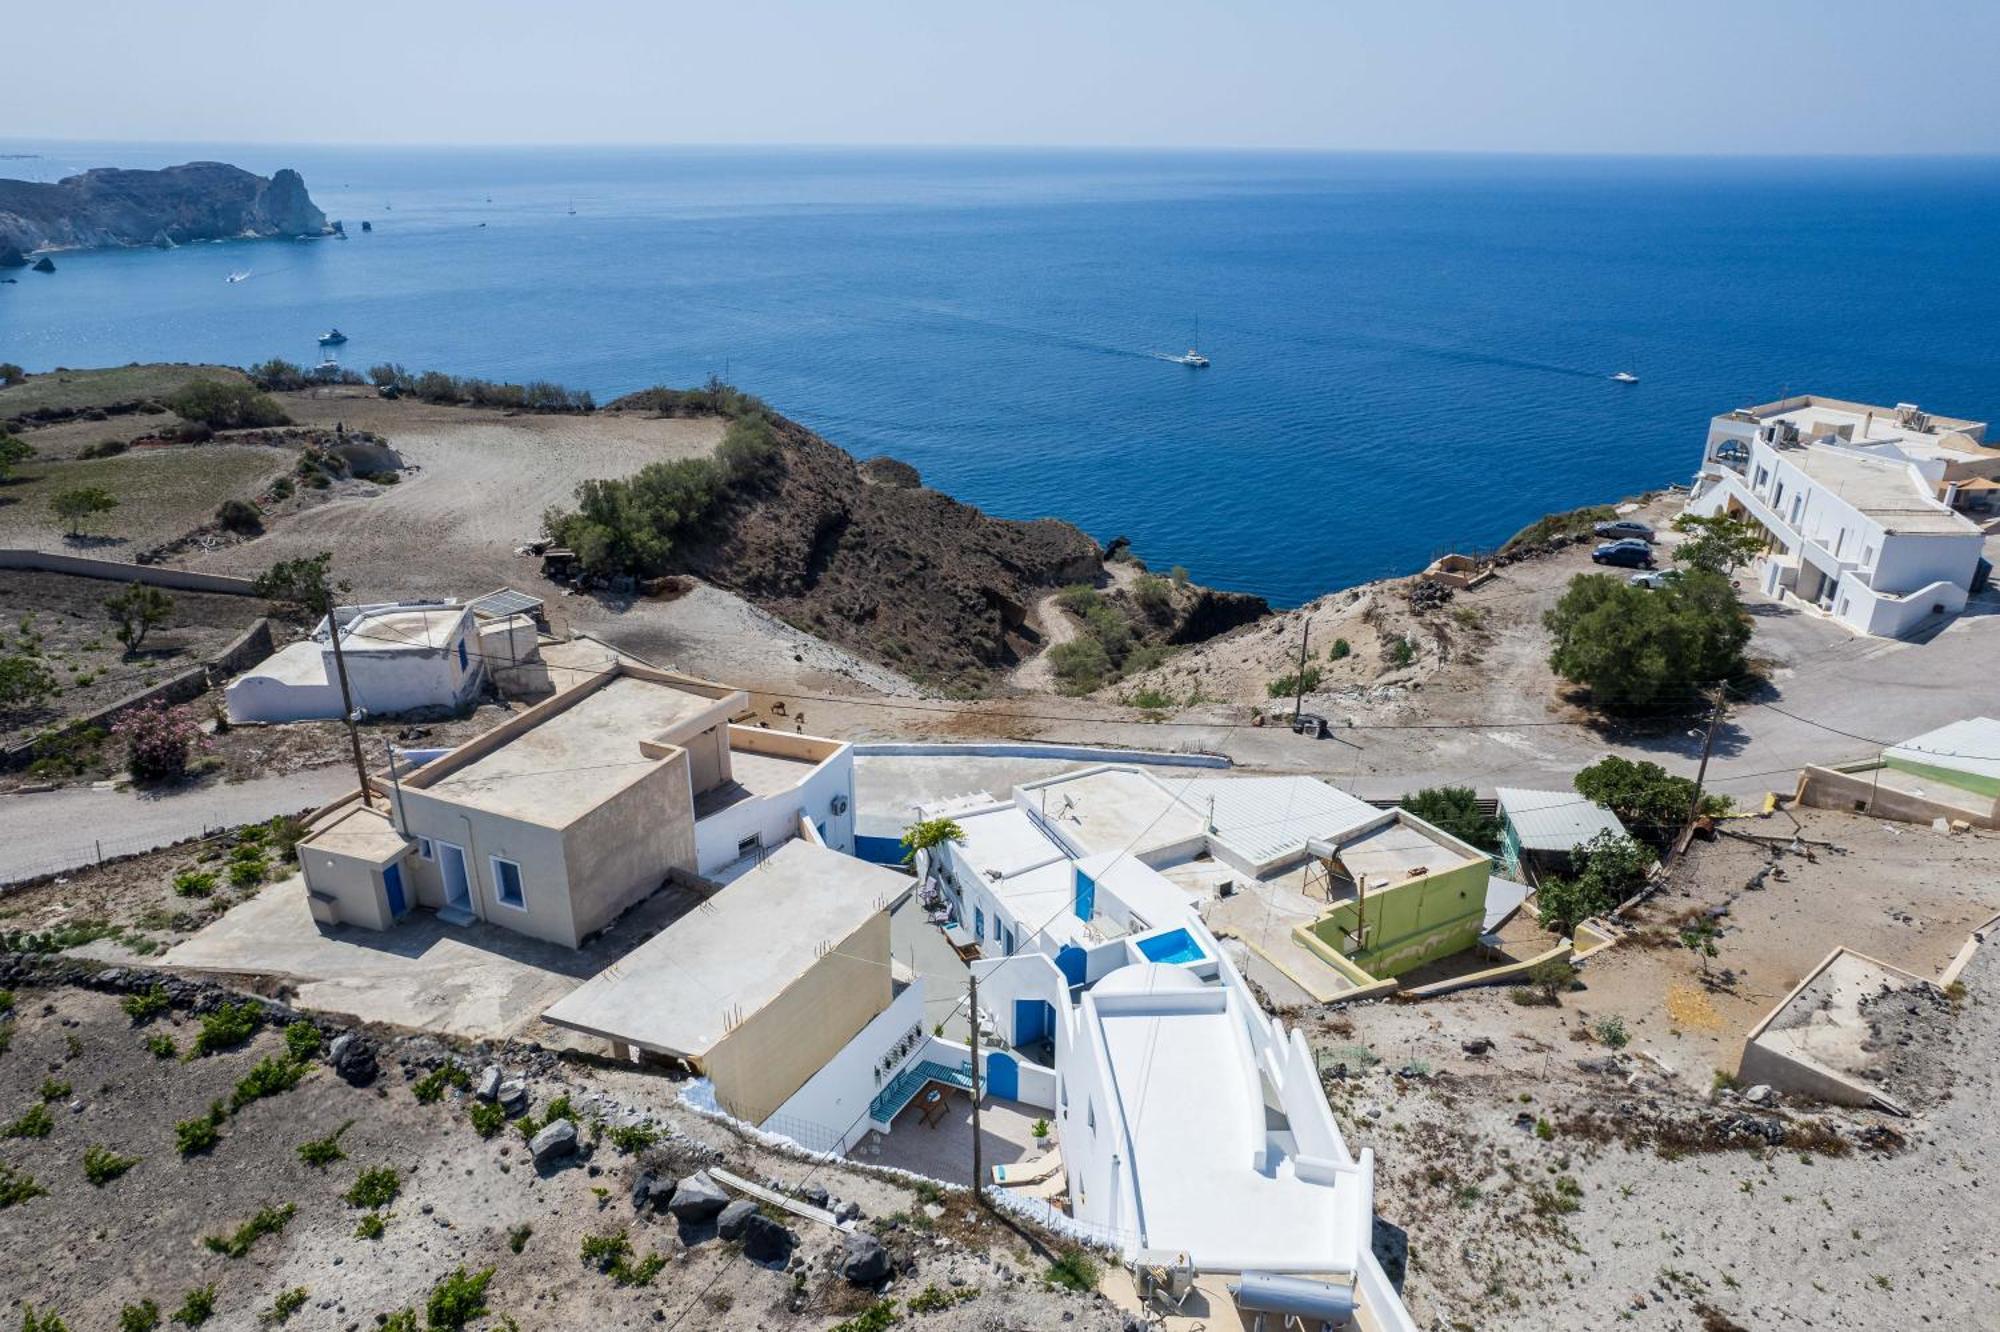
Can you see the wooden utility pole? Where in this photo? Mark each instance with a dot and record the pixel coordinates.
(1299, 697)
(1701, 772)
(978, 1166)
(346, 699)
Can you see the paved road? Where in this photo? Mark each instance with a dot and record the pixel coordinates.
(48, 831)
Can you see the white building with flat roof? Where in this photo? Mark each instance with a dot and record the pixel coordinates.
(1857, 503)
(1192, 1124)
(400, 657)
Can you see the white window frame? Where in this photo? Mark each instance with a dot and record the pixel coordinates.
(425, 851)
(520, 881)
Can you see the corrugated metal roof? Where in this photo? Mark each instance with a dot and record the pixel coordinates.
(1972, 745)
(1266, 817)
(1555, 820)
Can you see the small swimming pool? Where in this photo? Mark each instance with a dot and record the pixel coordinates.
(1173, 946)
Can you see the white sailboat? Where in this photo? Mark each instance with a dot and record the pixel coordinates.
(1191, 357)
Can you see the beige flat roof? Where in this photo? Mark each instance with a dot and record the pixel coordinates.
(363, 833)
(1114, 809)
(1389, 855)
(687, 987)
(579, 757)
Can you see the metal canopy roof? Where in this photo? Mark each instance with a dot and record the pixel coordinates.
(1555, 820)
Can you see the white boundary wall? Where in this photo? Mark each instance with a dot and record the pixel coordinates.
(830, 1112)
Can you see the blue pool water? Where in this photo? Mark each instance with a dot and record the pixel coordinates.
(1410, 353)
(1173, 946)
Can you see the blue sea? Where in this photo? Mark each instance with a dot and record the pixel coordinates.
(1410, 353)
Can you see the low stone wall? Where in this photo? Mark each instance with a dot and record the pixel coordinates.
(247, 649)
(154, 575)
(1853, 788)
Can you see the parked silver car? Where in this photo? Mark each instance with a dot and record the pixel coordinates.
(1623, 529)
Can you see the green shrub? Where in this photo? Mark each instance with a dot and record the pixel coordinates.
(1080, 665)
(1294, 683)
(632, 1137)
(1341, 648)
(1154, 597)
(517, 1238)
(1644, 796)
(161, 1045)
(458, 1299)
(270, 1076)
(430, 1087)
(221, 406)
(1605, 871)
(1611, 1031)
(268, 1221)
(1074, 1270)
(877, 1317)
(34, 1122)
(1079, 599)
(302, 1040)
(320, 1153)
(1455, 809)
(141, 1317)
(488, 1117)
(146, 1005)
(1401, 651)
(1574, 523)
(201, 1133)
(197, 1308)
(48, 1320)
(371, 1226)
(54, 1090)
(102, 1165)
(17, 1186)
(1149, 699)
(375, 1188)
(288, 1303)
(247, 873)
(936, 1299)
(226, 1027)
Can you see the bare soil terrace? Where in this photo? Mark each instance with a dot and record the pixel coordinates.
(84, 1251)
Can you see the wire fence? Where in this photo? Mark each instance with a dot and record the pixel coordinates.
(19, 870)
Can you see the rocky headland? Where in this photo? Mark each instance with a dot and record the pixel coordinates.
(110, 206)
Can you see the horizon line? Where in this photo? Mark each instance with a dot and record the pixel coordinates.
(777, 145)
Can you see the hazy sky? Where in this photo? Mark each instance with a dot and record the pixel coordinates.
(1699, 76)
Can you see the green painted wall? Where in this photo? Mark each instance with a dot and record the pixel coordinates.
(1415, 922)
(1964, 781)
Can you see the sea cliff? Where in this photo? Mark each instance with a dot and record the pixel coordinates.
(110, 206)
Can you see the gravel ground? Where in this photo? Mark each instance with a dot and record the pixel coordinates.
(85, 1252)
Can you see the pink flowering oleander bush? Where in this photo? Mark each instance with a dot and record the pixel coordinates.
(159, 740)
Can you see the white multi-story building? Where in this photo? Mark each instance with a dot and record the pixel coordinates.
(1862, 506)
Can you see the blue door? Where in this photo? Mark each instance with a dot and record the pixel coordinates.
(1071, 960)
(392, 883)
(1003, 1076)
(978, 924)
(1034, 1020)
(1086, 896)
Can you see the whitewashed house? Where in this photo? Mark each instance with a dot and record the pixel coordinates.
(1858, 505)
(400, 657)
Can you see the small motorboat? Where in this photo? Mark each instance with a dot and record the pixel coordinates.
(237, 277)
(333, 337)
(1624, 377)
